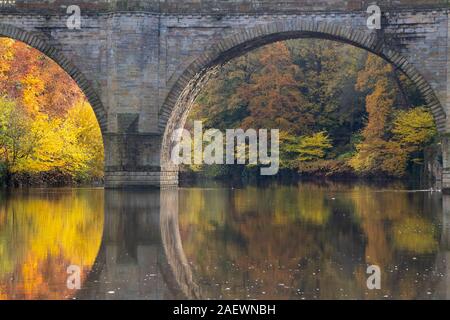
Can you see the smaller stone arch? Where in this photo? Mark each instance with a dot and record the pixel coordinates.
(40, 43)
(186, 87)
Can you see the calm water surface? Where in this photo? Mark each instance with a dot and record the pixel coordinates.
(299, 241)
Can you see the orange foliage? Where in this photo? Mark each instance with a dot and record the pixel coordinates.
(39, 84)
(273, 95)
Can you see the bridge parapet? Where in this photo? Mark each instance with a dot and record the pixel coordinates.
(216, 7)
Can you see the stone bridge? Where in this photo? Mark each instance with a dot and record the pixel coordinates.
(142, 63)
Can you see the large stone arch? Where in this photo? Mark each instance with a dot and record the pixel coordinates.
(40, 43)
(186, 86)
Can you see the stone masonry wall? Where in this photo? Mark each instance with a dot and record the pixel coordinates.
(212, 6)
(128, 63)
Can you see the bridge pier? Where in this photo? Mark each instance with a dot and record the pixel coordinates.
(136, 179)
(446, 165)
(132, 160)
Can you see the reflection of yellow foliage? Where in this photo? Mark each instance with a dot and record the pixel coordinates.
(46, 234)
(313, 210)
(62, 232)
(6, 265)
(309, 205)
(373, 209)
(415, 235)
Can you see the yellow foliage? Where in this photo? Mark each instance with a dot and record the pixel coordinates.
(314, 147)
(72, 145)
(305, 148)
(16, 139)
(382, 156)
(382, 149)
(33, 88)
(414, 128)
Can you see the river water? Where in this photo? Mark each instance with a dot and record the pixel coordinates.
(274, 241)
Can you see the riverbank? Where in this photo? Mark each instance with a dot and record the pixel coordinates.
(284, 178)
(47, 180)
(234, 175)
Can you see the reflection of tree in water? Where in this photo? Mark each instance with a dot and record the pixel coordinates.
(310, 241)
(41, 234)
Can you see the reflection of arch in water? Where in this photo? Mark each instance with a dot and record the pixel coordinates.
(141, 256)
(173, 247)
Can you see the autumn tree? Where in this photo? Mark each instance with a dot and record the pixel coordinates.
(46, 125)
(327, 74)
(34, 81)
(391, 135)
(71, 145)
(414, 129)
(17, 140)
(376, 153)
(273, 94)
(304, 149)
